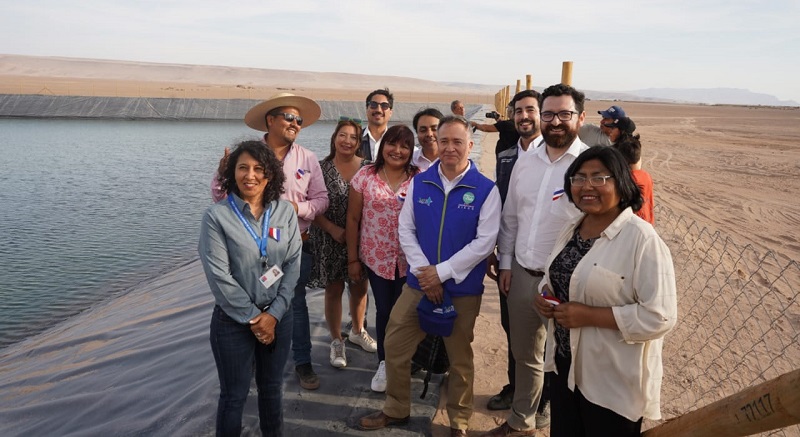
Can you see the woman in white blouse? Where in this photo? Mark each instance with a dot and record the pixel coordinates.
(609, 290)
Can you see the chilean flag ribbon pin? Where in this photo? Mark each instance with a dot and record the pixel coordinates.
(558, 193)
(299, 174)
(275, 234)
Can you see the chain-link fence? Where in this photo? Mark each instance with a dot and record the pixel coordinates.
(738, 319)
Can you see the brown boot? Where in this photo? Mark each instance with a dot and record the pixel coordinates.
(379, 420)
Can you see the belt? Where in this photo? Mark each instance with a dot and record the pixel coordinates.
(534, 273)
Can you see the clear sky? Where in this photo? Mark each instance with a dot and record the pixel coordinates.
(615, 45)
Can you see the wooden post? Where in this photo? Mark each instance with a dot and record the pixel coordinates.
(770, 405)
(508, 96)
(519, 83)
(566, 73)
(528, 82)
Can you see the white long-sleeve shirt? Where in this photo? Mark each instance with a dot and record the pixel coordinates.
(462, 262)
(536, 207)
(629, 269)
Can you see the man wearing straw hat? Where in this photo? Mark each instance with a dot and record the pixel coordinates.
(282, 117)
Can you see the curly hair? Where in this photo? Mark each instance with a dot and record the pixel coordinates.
(563, 90)
(273, 169)
(629, 193)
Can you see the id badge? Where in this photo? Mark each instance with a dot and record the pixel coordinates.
(270, 276)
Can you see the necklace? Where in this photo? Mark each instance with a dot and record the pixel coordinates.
(393, 187)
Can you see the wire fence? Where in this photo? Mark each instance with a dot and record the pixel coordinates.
(738, 319)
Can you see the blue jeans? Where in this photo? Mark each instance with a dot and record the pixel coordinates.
(301, 331)
(386, 293)
(235, 351)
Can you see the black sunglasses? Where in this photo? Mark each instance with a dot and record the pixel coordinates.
(291, 117)
(610, 125)
(374, 105)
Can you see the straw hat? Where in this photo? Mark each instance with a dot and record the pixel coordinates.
(309, 110)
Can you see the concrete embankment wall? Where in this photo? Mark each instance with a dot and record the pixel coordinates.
(21, 105)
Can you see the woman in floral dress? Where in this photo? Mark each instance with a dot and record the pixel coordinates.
(377, 193)
(330, 251)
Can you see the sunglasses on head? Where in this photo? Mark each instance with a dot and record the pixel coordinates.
(354, 120)
(291, 117)
(374, 105)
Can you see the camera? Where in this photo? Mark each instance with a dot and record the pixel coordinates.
(494, 114)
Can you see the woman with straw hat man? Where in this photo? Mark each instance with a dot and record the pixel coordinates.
(282, 117)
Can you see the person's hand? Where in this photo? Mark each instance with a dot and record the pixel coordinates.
(223, 163)
(428, 277)
(571, 314)
(354, 271)
(434, 294)
(492, 266)
(541, 304)
(505, 281)
(263, 327)
(338, 235)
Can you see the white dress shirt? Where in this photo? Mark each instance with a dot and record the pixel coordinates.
(373, 142)
(462, 262)
(536, 207)
(419, 159)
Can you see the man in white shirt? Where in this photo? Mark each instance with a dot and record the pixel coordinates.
(534, 212)
(525, 116)
(426, 123)
(379, 112)
(443, 260)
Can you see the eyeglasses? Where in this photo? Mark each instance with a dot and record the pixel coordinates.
(354, 120)
(374, 105)
(291, 117)
(595, 181)
(610, 125)
(563, 115)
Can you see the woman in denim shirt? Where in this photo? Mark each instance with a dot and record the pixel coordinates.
(250, 249)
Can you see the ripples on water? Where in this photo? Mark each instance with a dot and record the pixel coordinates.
(89, 208)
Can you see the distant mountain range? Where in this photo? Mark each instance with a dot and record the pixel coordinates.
(710, 96)
(14, 69)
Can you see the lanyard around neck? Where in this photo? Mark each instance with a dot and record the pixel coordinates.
(262, 241)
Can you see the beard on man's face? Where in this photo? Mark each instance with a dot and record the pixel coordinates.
(559, 137)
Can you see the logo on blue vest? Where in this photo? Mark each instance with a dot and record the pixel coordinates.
(468, 198)
(426, 202)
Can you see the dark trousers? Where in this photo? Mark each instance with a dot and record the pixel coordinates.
(301, 332)
(507, 328)
(237, 353)
(573, 415)
(385, 292)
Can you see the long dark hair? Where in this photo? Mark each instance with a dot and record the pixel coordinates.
(273, 169)
(339, 127)
(397, 134)
(629, 193)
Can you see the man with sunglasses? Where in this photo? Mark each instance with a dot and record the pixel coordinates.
(614, 123)
(379, 112)
(534, 212)
(282, 117)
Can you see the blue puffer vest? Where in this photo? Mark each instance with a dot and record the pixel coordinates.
(446, 224)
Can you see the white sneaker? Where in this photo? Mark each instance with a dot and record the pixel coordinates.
(338, 356)
(364, 340)
(379, 380)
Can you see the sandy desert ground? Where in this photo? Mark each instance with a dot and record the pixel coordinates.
(729, 168)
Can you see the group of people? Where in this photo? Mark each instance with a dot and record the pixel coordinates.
(577, 270)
